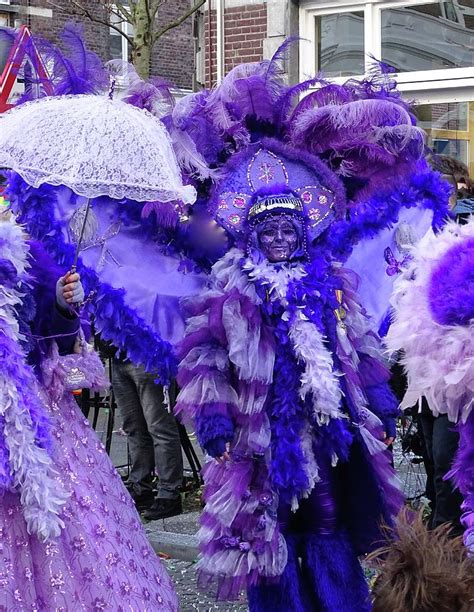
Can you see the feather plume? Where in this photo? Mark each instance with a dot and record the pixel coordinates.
(249, 91)
(81, 71)
(274, 65)
(189, 116)
(287, 100)
(254, 98)
(153, 95)
(73, 70)
(328, 94)
(189, 158)
(166, 214)
(364, 135)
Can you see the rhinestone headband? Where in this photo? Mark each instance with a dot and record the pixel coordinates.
(268, 204)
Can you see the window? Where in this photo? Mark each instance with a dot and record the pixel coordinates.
(340, 43)
(119, 47)
(429, 36)
(430, 44)
(450, 129)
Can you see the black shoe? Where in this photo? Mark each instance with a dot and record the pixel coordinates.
(163, 508)
(143, 499)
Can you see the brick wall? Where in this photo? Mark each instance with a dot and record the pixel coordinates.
(173, 56)
(245, 28)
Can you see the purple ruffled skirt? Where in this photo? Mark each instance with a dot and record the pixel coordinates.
(102, 559)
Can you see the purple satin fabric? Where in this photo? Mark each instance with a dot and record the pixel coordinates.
(368, 262)
(318, 514)
(153, 282)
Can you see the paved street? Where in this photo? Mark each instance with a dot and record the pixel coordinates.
(183, 574)
(175, 538)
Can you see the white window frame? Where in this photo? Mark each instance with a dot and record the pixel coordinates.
(127, 28)
(426, 86)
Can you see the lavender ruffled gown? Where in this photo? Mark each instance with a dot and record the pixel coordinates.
(102, 559)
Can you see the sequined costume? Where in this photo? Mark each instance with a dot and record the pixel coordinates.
(70, 538)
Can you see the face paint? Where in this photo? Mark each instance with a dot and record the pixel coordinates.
(278, 238)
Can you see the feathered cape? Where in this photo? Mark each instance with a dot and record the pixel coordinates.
(227, 370)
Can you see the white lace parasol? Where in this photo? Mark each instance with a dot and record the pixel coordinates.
(94, 145)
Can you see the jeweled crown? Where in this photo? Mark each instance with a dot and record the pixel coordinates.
(262, 172)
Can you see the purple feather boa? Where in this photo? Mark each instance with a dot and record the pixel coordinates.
(287, 421)
(13, 368)
(113, 319)
(25, 440)
(450, 293)
(213, 429)
(316, 293)
(384, 404)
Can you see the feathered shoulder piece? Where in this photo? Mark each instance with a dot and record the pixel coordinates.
(434, 322)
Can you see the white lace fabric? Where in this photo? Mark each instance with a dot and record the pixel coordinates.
(94, 145)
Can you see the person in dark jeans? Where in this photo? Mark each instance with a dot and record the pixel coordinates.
(153, 439)
(439, 445)
(441, 441)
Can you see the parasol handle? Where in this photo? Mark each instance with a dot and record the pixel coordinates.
(81, 235)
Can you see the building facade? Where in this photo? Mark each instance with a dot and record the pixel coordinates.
(430, 44)
(173, 56)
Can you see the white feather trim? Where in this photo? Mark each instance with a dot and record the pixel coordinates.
(438, 359)
(34, 477)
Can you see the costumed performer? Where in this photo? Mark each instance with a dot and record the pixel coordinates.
(133, 279)
(433, 325)
(70, 537)
(285, 381)
(132, 282)
(282, 372)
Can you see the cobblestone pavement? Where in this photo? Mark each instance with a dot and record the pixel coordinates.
(183, 575)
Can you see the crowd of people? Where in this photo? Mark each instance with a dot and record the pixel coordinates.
(266, 317)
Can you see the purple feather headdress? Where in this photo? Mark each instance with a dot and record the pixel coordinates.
(271, 178)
